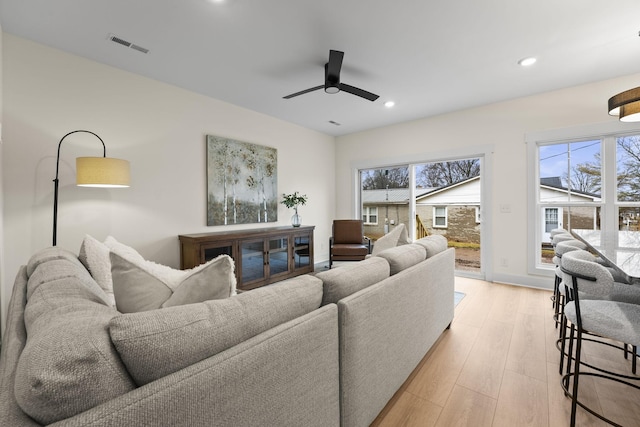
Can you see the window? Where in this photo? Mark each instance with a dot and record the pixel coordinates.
(370, 215)
(439, 217)
(590, 182)
(550, 219)
(478, 217)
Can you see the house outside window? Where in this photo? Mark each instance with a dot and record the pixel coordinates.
(582, 182)
(370, 215)
(439, 217)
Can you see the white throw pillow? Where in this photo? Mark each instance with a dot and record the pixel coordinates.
(95, 257)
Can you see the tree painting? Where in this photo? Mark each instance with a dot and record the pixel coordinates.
(241, 182)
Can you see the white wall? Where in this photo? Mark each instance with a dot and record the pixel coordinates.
(160, 129)
(502, 126)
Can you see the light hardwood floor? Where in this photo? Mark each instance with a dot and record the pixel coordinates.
(498, 366)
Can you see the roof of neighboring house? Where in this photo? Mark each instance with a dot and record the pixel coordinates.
(434, 191)
(391, 195)
(465, 193)
(555, 183)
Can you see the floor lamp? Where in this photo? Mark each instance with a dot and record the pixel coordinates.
(92, 172)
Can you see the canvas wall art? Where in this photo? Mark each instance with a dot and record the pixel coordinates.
(242, 182)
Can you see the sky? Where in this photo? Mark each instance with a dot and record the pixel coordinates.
(554, 158)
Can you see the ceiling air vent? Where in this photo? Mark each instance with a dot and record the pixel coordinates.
(128, 44)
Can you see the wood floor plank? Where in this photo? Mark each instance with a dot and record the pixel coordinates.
(409, 411)
(523, 402)
(436, 377)
(484, 370)
(467, 408)
(527, 352)
(560, 405)
(505, 303)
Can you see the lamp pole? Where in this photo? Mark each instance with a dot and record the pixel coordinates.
(56, 180)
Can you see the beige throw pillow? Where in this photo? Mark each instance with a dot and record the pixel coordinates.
(143, 286)
(389, 240)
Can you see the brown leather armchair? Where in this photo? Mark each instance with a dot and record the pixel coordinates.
(348, 242)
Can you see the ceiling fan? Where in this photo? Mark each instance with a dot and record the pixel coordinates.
(332, 80)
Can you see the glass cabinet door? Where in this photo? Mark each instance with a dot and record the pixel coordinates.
(278, 255)
(301, 251)
(214, 251)
(252, 260)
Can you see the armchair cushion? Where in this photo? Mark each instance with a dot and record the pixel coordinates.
(348, 231)
(349, 250)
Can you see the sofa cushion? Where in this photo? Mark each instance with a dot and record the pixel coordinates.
(155, 343)
(141, 285)
(434, 244)
(95, 257)
(390, 240)
(47, 255)
(68, 364)
(347, 279)
(402, 257)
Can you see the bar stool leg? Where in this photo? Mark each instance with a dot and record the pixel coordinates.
(574, 398)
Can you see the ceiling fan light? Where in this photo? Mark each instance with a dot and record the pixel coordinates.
(630, 112)
(631, 96)
(331, 89)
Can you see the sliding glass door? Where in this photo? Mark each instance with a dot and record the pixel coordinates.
(442, 197)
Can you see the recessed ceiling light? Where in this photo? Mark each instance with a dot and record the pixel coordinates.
(526, 62)
(389, 104)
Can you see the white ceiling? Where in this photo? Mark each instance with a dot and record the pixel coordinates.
(428, 56)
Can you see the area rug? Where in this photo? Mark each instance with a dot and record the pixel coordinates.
(457, 297)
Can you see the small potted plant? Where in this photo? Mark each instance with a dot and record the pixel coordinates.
(293, 201)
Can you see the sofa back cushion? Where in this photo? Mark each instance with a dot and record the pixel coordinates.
(404, 256)
(155, 343)
(68, 364)
(434, 244)
(347, 279)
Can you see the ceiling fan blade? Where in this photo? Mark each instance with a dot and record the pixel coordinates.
(334, 65)
(302, 92)
(359, 92)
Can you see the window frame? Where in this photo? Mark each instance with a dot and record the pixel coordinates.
(445, 216)
(367, 214)
(608, 204)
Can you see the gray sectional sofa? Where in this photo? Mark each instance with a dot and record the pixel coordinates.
(317, 350)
